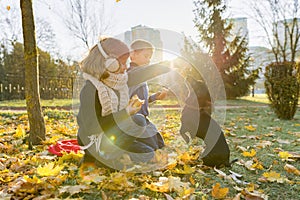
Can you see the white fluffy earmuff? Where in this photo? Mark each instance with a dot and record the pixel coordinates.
(111, 63)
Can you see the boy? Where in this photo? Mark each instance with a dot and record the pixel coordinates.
(140, 55)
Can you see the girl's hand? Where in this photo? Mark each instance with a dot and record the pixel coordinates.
(134, 105)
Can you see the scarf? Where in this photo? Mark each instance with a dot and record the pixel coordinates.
(106, 92)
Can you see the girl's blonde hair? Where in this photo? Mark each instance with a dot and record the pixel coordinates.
(94, 62)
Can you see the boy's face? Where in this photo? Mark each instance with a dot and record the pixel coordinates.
(141, 57)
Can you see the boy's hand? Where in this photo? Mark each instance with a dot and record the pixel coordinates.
(161, 95)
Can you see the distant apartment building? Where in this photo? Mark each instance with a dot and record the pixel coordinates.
(239, 28)
(284, 29)
(260, 56)
(146, 33)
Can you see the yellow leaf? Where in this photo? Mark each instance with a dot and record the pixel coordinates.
(20, 132)
(186, 170)
(172, 165)
(291, 169)
(158, 186)
(192, 180)
(185, 157)
(70, 157)
(49, 170)
(118, 1)
(257, 165)
(250, 128)
(118, 178)
(250, 187)
(273, 176)
(8, 8)
(187, 192)
(252, 153)
(34, 179)
(219, 193)
(52, 140)
(284, 155)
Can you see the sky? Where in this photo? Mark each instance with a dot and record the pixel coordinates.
(173, 15)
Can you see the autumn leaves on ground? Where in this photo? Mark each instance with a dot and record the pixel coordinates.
(267, 150)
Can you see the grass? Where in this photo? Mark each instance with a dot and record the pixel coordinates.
(267, 136)
(44, 103)
(69, 102)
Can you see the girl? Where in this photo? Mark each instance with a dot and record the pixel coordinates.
(107, 120)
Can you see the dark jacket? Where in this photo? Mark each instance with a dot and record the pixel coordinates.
(91, 122)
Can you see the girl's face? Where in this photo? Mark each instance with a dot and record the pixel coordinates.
(141, 57)
(122, 63)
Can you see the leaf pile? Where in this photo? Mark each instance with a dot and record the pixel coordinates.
(267, 150)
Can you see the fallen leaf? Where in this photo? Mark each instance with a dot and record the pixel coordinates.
(49, 170)
(73, 189)
(20, 132)
(280, 141)
(263, 144)
(221, 173)
(273, 176)
(256, 164)
(218, 192)
(284, 155)
(8, 8)
(250, 128)
(291, 169)
(168, 197)
(241, 148)
(237, 197)
(252, 153)
(186, 170)
(255, 195)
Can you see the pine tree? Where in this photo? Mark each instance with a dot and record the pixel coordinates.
(230, 57)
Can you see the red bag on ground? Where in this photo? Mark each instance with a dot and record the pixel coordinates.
(64, 146)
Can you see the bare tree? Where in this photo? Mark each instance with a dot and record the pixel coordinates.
(280, 22)
(86, 20)
(11, 27)
(45, 37)
(32, 95)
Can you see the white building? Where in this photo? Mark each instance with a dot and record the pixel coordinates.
(149, 34)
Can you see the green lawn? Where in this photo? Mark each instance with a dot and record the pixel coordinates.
(248, 100)
(45, 103)
(265, 147)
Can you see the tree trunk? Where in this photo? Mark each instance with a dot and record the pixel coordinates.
(32, 95)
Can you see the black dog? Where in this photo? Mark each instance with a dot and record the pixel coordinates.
(196, 120)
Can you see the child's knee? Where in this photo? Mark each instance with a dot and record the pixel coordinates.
(139, 119)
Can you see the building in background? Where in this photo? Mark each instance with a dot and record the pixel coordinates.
(260, 56)
(239, 28)
(146, 33)
(285, 28)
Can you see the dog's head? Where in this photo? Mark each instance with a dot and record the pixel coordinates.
(199, 92)
(197, 100)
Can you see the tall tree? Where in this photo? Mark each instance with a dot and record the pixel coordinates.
(229, 55)
(34, 111)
